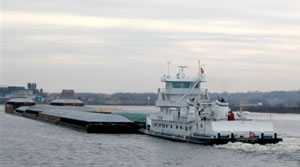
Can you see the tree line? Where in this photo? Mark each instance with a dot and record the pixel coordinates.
(274, 98)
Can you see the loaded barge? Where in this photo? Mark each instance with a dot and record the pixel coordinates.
(73, 113)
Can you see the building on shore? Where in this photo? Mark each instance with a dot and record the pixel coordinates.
(8, 92)
(67, 93)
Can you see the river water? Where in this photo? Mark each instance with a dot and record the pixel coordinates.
(25, 142)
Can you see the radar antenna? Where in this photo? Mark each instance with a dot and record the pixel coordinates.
(182, 68)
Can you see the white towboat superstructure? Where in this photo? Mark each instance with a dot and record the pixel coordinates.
(187, 114)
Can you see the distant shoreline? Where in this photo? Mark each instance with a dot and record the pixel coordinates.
(260, 109)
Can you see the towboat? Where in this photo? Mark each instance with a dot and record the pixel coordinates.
(188, 115)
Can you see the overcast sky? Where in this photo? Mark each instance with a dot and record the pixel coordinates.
(123, 45)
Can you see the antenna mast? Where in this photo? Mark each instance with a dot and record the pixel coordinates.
(199, 69)
(199, 76)
(168, 67)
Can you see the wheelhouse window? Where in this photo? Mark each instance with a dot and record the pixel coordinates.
(176, 84)
(185, 85)
(181, 85)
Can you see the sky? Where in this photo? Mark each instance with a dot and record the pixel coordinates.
(113, 46)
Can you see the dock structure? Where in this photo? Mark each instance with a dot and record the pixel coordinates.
(74, 115)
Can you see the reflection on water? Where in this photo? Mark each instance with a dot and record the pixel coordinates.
(26, 142)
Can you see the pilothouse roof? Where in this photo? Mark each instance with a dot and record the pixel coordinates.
(181, 76)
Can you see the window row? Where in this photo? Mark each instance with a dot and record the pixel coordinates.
(186, 128)
(183, 85)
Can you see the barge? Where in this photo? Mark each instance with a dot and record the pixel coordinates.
(73, 113)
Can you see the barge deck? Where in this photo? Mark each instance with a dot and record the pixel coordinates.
(75, 116)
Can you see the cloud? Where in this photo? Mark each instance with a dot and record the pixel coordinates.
(108, 42)
(204, 26)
